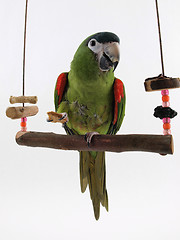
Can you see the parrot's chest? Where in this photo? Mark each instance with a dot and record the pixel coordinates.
(89, 117)
(89, 108)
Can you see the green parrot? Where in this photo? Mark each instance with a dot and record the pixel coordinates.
(93, 101)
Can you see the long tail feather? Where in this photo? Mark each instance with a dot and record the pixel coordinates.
(83, 171)
(93, 173)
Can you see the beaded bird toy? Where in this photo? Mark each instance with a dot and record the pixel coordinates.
(163, 83)
(162, 144)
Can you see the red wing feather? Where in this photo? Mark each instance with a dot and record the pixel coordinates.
(60, 85)
(118, 95)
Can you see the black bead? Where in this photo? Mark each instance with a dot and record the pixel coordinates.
(164, 112)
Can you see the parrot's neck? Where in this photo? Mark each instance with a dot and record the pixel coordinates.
(86, 81)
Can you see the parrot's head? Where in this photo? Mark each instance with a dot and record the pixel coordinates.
(97, 54)
(105, 47)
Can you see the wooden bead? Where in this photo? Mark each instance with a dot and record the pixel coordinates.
(23, 99)
(161, 83)
(21, 112)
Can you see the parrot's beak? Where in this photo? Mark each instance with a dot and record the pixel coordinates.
(110, 56)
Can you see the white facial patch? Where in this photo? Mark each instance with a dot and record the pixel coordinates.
(95, 46)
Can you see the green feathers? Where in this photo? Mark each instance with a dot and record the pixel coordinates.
(94, 102)
(93, 173)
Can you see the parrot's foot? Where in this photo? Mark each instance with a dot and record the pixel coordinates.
(89, 136)
(57, 117)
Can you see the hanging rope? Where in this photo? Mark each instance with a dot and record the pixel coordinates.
(24, 120)
(160, 40)
(24, 49)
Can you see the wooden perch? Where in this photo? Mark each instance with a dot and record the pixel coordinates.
(160, 83)
(23, 99)
(117, 143)
(21, 112)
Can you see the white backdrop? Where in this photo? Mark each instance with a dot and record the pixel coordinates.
(40, 194)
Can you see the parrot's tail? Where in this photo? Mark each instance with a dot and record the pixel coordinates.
(93, 172)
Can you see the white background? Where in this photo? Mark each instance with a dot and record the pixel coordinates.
(40, 194)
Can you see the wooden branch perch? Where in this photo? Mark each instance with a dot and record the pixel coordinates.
(118, 143)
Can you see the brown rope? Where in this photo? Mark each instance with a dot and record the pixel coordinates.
(24, 49)
(160, 40)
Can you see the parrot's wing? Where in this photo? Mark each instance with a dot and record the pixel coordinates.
(60, 89)
(119, 106)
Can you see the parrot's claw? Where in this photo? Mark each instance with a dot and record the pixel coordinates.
(49, 120)
(57, 117)
(64, 116)
(89, 136)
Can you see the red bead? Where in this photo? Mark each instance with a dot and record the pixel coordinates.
(23, 124)
(165, 98)
(166, 126)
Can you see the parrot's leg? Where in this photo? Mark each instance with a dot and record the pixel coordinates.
(57, 117)
(89, 136)
(67, 129)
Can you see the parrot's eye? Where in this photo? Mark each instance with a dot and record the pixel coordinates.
(93, 43)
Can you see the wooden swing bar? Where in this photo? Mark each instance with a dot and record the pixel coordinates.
(112, 143)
